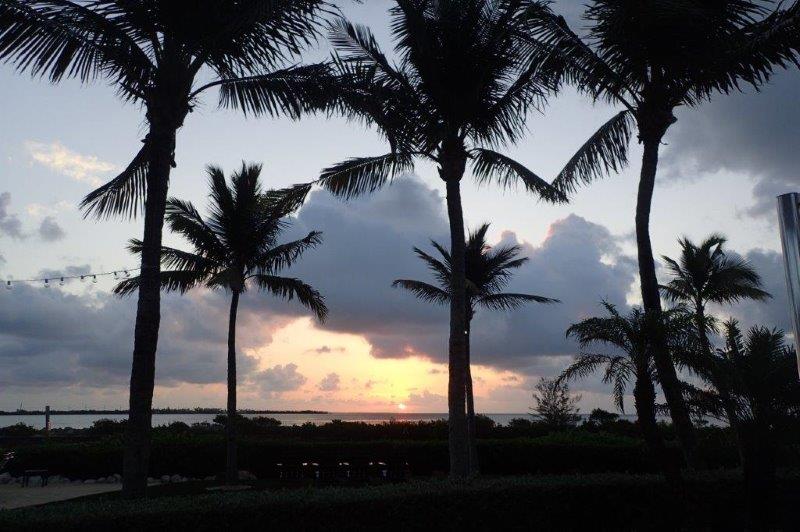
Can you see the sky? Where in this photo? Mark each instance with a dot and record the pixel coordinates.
(722, 166)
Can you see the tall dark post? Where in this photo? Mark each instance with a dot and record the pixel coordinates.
(47, 420)
(789, 221)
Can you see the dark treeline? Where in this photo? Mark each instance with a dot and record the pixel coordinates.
(196, 410)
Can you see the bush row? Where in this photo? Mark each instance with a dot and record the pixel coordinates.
(203, 456)
(511, 503)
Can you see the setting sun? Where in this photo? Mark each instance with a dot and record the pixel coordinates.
(401, 406)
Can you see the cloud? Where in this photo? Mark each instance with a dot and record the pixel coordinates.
(326, 349)
(368, 243)
(38, 209)
(10, 224)
(278, 379)
(50, 230)
(56, 156)
(753, 135)
(330, 383)
(51, 338)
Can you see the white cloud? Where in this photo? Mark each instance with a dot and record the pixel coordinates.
(56, 156)
(37, 210)
(279, 379)
(330, 383)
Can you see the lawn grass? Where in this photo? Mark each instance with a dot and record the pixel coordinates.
(604, 501)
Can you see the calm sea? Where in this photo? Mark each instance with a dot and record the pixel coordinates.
(79, 421)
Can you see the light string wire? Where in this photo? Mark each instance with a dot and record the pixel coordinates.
(61, 279)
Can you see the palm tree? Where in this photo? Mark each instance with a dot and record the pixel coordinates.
(488, 271)
(235, 248)
(162, 56)
(706, 274)
(651, 57)
(757, 374)
(463, 85)
(632, 363)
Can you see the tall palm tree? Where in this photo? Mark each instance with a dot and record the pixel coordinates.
(651, 57)
(488, 270)
(162, 56)
(631, 363)
(706, 274)
(462, 88)
(235, 248)
(757, 373)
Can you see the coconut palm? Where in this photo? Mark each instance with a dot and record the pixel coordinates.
(706, 274)
(162, 56)
(631, 364)
(757, 375)
(462, 88)
(488, 271)
(651, 57)
(235, 248)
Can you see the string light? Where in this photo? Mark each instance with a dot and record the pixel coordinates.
(62, 280)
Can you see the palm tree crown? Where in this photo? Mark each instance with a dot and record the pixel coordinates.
(488, 271)
(155, 53)
(706, 274)
(237, 246)
(629, 336)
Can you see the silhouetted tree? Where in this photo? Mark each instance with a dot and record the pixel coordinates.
(488, 271)
(554, 405)
(706, 274)
(235, 248)
(162, 55)
(632, 363)
(759, 377)
(464, 84)
(650, 58)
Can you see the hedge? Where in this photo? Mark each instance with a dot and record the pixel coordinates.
(509, 503)
(204, 456)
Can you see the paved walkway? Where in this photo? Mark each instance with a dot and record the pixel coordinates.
(15, 496)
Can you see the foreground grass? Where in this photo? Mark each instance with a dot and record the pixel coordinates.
(615, 501)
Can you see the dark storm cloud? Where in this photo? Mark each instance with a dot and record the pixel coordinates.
(368, 242)
(10, 224)
(49, 337)
(50, 230)
(278, 379)
(754, 135)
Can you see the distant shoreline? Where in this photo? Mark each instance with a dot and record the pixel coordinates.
(182, 411)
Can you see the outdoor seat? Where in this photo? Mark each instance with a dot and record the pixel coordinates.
(6, 458)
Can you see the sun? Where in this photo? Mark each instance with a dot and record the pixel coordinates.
(401, 406)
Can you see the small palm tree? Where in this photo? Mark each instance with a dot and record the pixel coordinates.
(753, 378)
(706, 274)
(462, 88)
(235, 248)
(631, 365)
(488, 271)
(163, 56)
(651, 58)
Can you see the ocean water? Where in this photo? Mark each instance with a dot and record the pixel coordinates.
(79, 421)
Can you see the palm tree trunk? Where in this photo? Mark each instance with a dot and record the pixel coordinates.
(148, 317)
(651, 299)
(644, 396)
(451, 171)
(474, 466)
(231, 467)
(759, 472)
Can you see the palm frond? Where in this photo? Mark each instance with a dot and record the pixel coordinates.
(124, 195)
(489, 165)
(605, 151)
(363, 175)
(505, 302)
(171, 281)
(423, 291)
(289, 289)
(292, 91)
(284, 255)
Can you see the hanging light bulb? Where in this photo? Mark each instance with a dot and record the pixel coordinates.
(61, 282)
(115, 275)
(94, 279)
(8, 285)
(82, 278)
(127, 273)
